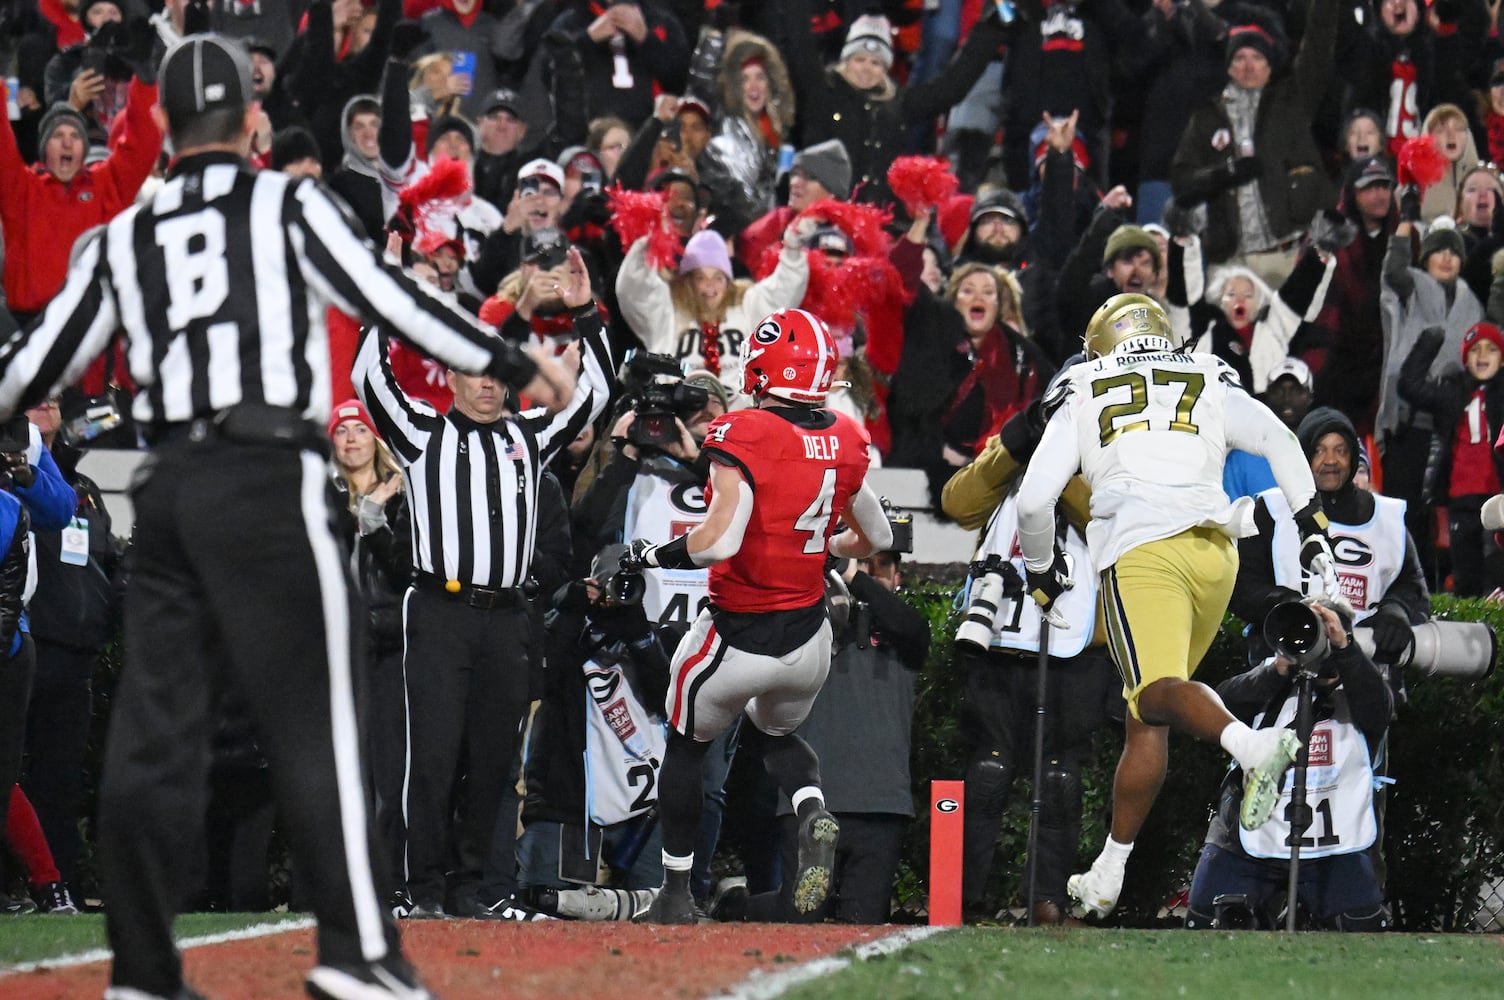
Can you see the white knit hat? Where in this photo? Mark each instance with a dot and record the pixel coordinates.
(872, 34)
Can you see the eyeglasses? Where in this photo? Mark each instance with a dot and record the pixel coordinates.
(613, 147)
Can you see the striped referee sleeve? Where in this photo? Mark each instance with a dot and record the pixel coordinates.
(348, 272)
(597, 379)
(405, 423)
(75, 328)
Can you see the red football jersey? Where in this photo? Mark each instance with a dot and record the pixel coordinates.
(802, 476)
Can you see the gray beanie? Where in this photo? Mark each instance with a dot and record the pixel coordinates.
(827, 163)
(1442, 237)
(60, 114)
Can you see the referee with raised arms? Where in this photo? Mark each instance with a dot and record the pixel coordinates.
(220, 282)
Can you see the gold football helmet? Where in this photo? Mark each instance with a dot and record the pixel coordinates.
(1124, 317)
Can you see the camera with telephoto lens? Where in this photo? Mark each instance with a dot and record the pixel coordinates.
(653, 385)
(993, 580)
(1298, 634)
(619, 587)
(1465, 650)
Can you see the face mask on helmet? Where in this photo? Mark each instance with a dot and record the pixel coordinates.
(1128, 319)
(790, 355)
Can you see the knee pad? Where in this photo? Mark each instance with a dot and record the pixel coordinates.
(1364, 921)
(988, 781)
(1060, 794)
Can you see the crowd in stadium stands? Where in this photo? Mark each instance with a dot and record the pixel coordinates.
(1308, 188)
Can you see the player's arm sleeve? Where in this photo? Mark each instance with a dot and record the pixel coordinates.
(719, 536)
(1253, 427)
(867, 528)
(56, 348)
(348, 272)
(1054, 463)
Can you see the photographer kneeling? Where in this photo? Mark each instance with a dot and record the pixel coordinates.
(1241, 871)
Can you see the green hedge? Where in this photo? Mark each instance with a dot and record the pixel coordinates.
(1445, 819)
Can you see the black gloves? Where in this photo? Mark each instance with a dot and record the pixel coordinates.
(1410, 204)
(406, 36)
(1315, 548)
(1244, 169)
(1331, 231)
(197, 17)
(1180, 220)
(1046, 587)
(640, 555)
(1392, 636)
(21, 472)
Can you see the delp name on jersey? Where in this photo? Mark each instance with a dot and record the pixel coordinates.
(803, 467)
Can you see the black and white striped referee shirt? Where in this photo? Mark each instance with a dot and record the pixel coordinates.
(473, 487)
(221, 282)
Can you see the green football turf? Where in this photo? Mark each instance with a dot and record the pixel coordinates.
(35, 937)
(1206, 965)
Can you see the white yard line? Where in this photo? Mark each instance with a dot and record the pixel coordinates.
(103, 954)
(761, 985)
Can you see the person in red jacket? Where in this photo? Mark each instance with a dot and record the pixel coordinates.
(46, 205)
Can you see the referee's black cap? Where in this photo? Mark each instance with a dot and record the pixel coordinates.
(204, 73)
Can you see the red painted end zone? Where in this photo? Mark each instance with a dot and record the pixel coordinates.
(470, 960)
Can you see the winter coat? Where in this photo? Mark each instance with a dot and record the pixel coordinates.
(42, 216)
(872, 124)
(648, 306)
(1298, 300)
(1292, 183)
(1441, 198)
(740, 166)
(658, 65)
(358, 181)
(1412, 300)
(1446, 398)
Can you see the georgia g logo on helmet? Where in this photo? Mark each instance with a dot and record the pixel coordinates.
(768, 331)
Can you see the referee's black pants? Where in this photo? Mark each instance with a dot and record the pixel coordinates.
(237, 580)
(467, 691)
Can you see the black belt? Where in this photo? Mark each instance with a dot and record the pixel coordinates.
(245, 423)
(484, 598)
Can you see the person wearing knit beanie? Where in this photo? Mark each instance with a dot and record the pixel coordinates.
(1127, 241)
(1480, 333)
(1248, 74)
(350, 409)
(295, 151)
(706, 249)
(65, 160)
(447, 125)
(828, 164)
(872, 35)
(1442, 237)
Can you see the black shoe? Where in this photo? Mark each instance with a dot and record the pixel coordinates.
(54, 898)
(673, 907)
(817, 859)
(17, 906)
(729, 901)
(427, 911)
(390, 978)
(399, 903)
(508, 908)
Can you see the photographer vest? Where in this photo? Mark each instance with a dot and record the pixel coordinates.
(665, 501)
(1339, 790)
(1017, 623)
(624, 746)
(1369, 556)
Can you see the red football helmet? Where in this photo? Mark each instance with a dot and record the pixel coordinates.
(790, 355)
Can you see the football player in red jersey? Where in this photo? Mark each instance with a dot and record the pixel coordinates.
(782, 474)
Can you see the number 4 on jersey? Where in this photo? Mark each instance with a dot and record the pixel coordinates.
(816, 517)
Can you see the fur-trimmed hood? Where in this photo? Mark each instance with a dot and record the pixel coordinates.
(741, 48)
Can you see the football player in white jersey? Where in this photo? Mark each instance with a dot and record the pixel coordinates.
(1149, 429)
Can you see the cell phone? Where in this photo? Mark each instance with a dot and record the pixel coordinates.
(15, 435)
(464, 65)
(1006, 11)
(590, 180)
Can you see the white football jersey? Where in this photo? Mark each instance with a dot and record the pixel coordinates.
(1150, 432)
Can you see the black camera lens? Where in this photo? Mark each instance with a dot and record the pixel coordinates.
(627, 588)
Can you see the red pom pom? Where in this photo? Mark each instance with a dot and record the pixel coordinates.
(1421, 162)
(865, 224)
(921, 182)
(635, 214)
(446, 180)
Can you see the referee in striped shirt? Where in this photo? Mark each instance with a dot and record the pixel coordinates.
(221, 282)
(472, 478)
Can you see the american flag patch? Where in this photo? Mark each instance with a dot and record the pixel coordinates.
(514, 453)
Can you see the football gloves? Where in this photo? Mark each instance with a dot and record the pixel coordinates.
(1316, 557)
(640, 555)
(1047, 586)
